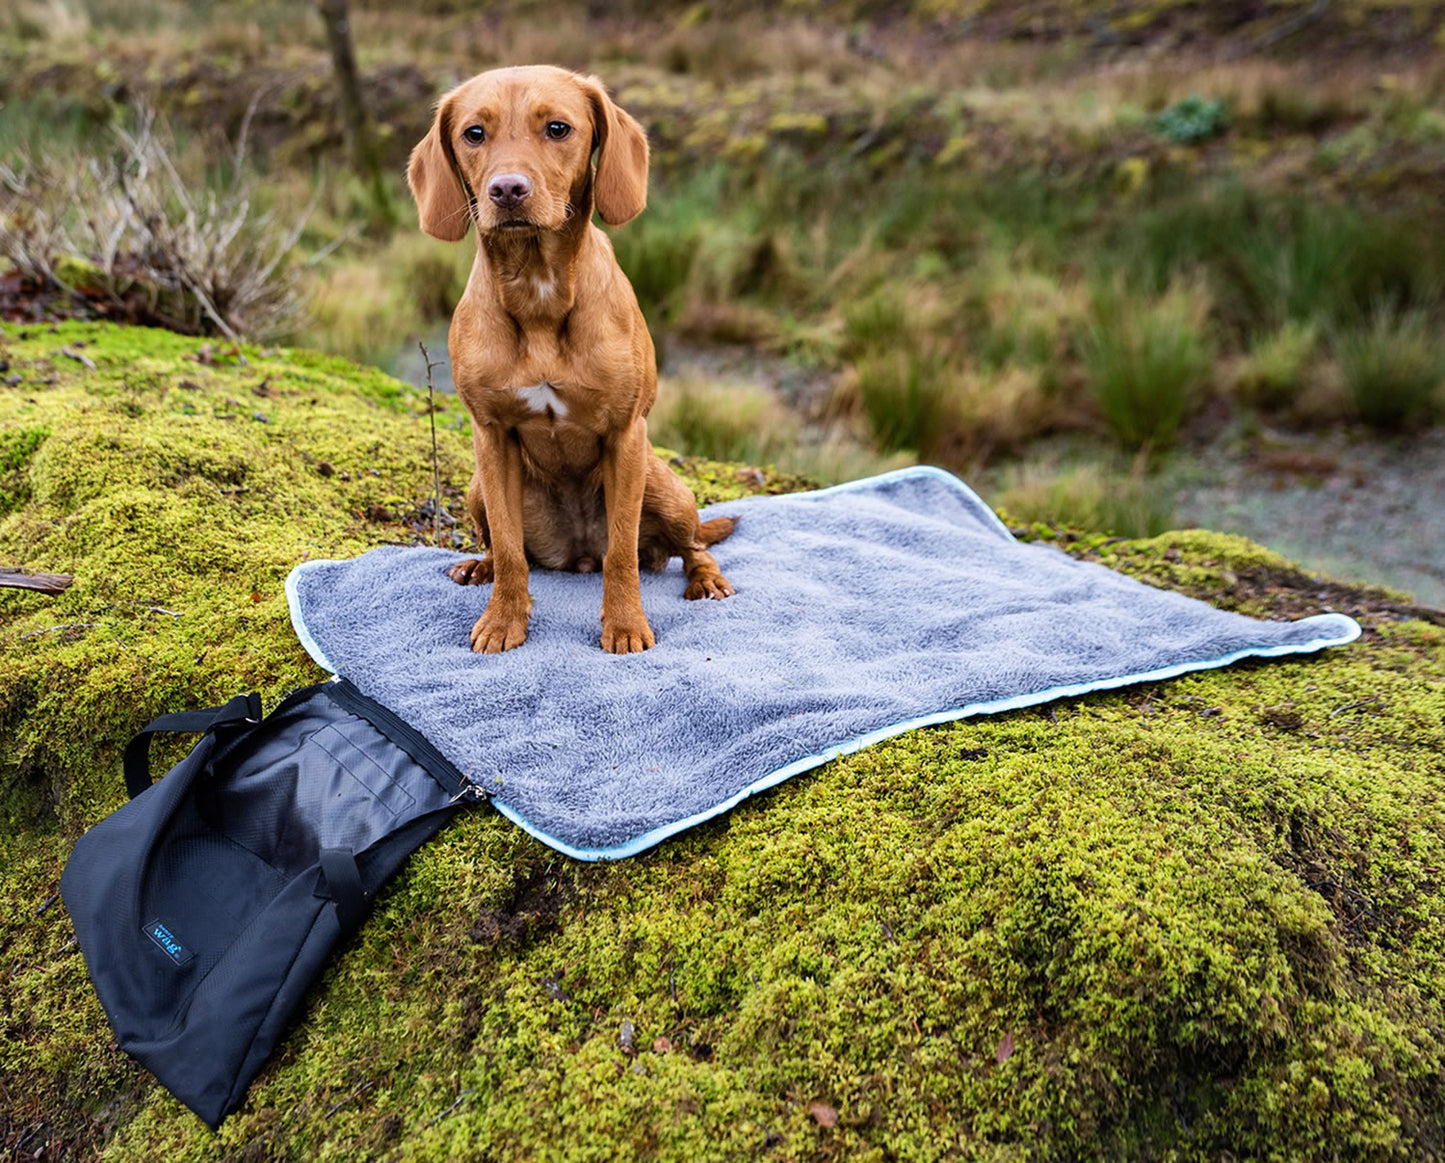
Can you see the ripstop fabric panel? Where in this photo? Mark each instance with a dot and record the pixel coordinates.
(201, 905)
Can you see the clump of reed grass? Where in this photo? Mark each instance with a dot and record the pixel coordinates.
(1103, 497)
(368, 304)
(904, 395)
(732, 422)
(901, 376)
(1393, 367)
(1273, 374)
(1146, 360)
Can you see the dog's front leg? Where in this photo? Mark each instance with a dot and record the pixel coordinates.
(503, 625)
(624, 478)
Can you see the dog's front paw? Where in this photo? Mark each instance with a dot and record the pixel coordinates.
(712, 585)
(627, 635)
(475, 571)
(496, 631)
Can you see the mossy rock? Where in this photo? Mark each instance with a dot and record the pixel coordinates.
(1197, 919)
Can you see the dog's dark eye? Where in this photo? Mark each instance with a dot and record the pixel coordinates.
(557, 130)
(475, 134)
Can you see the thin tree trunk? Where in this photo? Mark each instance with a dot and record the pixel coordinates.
(355, 124)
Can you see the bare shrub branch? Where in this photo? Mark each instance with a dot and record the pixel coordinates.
(202, 254)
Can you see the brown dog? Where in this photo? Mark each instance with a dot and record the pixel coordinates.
(550, 352)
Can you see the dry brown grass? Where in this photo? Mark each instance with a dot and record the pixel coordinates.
(141, 220)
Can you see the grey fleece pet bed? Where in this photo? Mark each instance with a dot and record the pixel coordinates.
(862, 611)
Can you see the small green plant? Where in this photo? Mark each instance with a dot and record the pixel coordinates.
(1393, 367)
(1192, 119)
(877, 323)
(723, 422)
(1273, 374)
(904, 395)
(1145, 361)
(1107, 497)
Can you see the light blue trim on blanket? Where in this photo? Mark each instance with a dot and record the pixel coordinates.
(905, 493)
(298, 623)
(1347, 630)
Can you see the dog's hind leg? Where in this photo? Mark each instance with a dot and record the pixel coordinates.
(670, 515)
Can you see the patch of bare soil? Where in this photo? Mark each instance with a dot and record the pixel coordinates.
(1340, 503)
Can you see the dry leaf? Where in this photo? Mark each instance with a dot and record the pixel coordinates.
(1005, 1048)
(823, 1114)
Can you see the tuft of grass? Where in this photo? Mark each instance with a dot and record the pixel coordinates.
(877, 322)
(736, 422)
(1104, 497)
(1019, 314)
(747, 424)
(370, 304)
(901, 379)
(658, 250)
(905, 396)
(1272, 376)
(1146, 361)
(1393, 367)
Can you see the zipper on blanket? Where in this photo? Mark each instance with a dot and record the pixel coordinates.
(346, 695)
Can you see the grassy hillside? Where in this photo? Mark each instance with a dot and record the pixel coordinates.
(974, 225)
(1190, 920)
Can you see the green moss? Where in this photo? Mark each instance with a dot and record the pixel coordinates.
(1193, 919)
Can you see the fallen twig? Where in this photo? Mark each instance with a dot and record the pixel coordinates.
(78, 356)
(62, 626)
(449, 1109)
(44, 583)
(1356, 706)
(357, 1093)
(436, 476)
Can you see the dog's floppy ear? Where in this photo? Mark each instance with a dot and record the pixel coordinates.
(620, 190)
(440, 200)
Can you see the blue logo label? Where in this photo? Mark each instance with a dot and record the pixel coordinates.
(168, 942)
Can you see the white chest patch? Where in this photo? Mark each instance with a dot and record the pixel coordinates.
(542, 397)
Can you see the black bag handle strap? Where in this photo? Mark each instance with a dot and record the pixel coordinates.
(341, 882)
(136, 764)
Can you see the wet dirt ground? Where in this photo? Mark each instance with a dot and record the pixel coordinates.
(1354, 507)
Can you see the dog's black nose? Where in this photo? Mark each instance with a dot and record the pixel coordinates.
(509, 190)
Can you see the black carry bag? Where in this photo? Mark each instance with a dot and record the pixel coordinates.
(207, 904)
